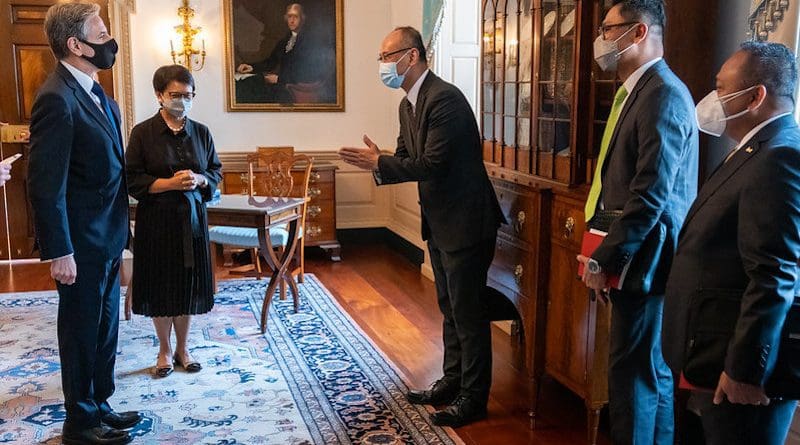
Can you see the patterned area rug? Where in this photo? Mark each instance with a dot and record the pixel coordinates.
(314, 378)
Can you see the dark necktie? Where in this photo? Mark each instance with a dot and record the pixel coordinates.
(98, 91)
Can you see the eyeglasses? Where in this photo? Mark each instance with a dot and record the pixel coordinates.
(603, 29)
(383, 56)
(187, 96)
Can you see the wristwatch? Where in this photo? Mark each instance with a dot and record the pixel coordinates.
(593, 266)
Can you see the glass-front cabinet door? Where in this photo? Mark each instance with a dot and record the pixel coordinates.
(603, 89)
(530, 85)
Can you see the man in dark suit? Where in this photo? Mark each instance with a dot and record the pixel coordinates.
(735, 273)
(77, 189)
(439, 147)
(646, 177)
(292, 60)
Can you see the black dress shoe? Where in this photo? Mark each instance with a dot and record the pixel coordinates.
(441, 392)
(101, 435)
(122, 421)
(464, 410)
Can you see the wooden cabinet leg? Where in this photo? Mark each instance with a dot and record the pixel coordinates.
(334, 250)
(592, 423)
(536, 385)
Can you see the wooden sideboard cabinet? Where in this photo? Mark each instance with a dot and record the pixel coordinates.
(320, 227)
(576, 351)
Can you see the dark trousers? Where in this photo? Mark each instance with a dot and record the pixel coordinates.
(733, 424)
(639, 381)
(460, 283)
(88, 324)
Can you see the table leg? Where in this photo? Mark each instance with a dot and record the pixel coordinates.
(279, 268)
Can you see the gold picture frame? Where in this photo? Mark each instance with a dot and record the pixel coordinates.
(272, 63)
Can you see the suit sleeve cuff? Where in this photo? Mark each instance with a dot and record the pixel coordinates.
(59, 258)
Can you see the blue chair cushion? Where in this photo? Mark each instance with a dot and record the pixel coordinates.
(247, 238)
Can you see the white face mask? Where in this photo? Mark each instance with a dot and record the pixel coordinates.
(607, 52)
(710, 113)
(178, 107)
(389, 75)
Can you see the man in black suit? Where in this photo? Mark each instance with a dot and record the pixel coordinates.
(77, 189)
(439, 147)
(727, 317)
(645, 179)
(292, 60)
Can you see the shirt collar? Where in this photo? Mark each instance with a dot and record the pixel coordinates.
(84, 80)
(164, 128)
(413, 93)
(758, 128)
(633, 79)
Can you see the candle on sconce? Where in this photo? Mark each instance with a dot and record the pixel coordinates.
(171, 48)
(203, 43)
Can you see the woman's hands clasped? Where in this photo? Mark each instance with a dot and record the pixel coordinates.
(186, 180)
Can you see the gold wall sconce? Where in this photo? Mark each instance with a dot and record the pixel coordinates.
(188, 56)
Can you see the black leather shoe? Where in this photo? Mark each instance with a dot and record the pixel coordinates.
(122, 421)
(462, 411)
(441, 392)
(101, 435)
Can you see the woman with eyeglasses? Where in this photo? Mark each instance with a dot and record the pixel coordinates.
(173, 170)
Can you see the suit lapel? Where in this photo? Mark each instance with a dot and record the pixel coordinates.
(629, 103)
(88, 104)
(415, 117)
(737, 160)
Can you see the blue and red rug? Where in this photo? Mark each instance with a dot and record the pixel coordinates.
(314, 378)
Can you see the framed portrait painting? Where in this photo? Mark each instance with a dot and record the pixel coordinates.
(284, 55)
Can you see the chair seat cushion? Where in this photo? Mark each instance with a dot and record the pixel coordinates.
(247, 238)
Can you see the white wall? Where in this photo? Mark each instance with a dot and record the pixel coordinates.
(369, 106)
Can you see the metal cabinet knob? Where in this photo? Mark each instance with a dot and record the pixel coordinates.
(569, 227)
(518, 272)
(313, 231)
(314, 211)
(315, 176)
(519, 222)
(314, 192)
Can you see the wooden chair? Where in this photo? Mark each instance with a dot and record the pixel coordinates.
(269, 174)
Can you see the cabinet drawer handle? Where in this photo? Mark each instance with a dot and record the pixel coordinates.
(519, 222)
(314, 177)
(245, 179)
(313, 231)
(518, 272)
(314, 192)
(314, 211)
(569, 226)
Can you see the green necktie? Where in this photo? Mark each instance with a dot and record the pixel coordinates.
(594, 192)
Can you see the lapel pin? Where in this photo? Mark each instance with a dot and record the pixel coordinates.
(749, 149)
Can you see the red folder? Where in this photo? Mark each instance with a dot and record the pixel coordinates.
(592, 239)
(684, 384)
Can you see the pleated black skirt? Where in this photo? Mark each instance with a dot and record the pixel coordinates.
(163, 286)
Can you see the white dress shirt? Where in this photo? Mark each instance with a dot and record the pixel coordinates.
(85, 81)
(413, 93)
(633, 79)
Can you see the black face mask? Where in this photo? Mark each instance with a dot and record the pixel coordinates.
(104, 54)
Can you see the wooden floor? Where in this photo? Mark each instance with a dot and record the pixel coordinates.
(396, 307)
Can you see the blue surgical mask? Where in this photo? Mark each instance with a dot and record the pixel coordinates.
(389, 75)
(178, 107)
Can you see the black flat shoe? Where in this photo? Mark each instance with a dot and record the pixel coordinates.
(441, 392)
(464, 410)
(121, 421)
(193, 366)
(101, 435)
